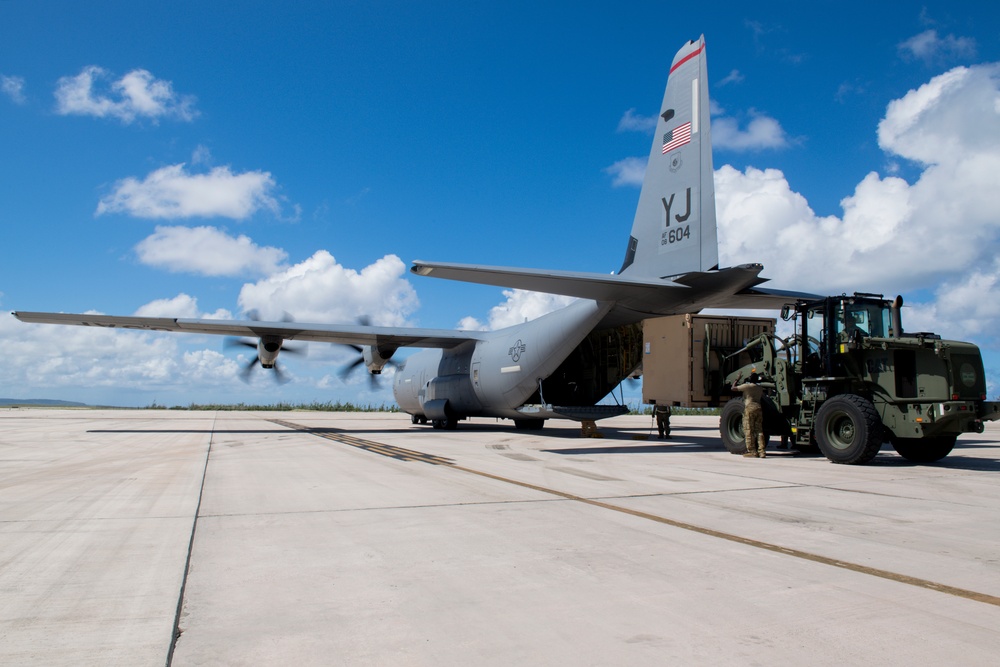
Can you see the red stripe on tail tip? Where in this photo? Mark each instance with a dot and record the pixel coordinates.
(688, 57)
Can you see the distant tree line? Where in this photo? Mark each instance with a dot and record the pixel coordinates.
(315, 406)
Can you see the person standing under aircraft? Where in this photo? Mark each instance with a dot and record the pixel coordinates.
(662, 413)
(753, 415)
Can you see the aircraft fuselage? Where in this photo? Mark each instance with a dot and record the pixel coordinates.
(498, 374)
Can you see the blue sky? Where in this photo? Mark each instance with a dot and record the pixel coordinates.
(202, 159)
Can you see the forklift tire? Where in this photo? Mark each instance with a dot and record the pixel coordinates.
(848, 429)
(731, 426)
(924, 450)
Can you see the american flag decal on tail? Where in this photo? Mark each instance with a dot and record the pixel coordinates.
(677, 137)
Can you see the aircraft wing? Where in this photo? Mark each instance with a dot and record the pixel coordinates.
(345, 334)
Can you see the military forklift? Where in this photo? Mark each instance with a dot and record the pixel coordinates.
(848, 379)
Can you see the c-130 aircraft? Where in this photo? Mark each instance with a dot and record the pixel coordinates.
(561, 364)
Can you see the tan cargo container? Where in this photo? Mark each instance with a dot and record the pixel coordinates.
(679, 369)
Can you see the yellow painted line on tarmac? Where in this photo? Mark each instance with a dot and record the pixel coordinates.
(411, 455)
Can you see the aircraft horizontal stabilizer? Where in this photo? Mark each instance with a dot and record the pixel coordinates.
(594, 286)
(734, 287)
(760, 298)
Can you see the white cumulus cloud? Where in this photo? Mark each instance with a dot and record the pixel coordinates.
(57, 361)
(939, 233)
(963, 307)
(95, 364)
(181, 306)
(319, 289)
(138, 94)
(208, 251)
(519, 306)
(953, 119)
(172, 192)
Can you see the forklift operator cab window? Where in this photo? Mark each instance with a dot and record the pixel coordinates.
(814, 330)
(861, 319)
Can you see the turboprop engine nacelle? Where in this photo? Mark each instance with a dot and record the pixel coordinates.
(375, 358)
(267, 351)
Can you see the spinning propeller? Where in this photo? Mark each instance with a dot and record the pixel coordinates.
(373, 358)
(267, 348)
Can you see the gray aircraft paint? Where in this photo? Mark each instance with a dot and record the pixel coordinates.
(674, 230)
(495, 376)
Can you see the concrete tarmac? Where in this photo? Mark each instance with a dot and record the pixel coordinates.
(193, 538)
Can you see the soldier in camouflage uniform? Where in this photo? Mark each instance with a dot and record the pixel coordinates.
(753, 415)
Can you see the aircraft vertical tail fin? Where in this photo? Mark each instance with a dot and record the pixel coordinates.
(674, 230)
